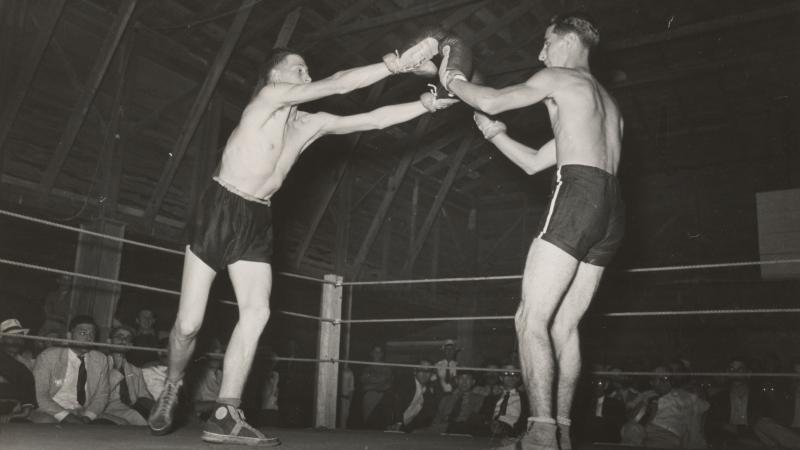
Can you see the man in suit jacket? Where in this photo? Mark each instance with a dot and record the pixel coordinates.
(130, 401)
(72, 382)
(458, 411)
(409, 404)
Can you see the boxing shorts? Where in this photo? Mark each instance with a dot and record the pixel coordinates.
(228, 227)
(586, 215)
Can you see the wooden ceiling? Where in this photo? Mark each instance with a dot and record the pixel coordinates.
(119, 109)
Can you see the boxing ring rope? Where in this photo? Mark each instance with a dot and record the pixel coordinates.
(331, 306)
(611, 374)
(127, 241)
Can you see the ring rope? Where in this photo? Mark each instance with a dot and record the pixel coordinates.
(402, 365)
(128, 241)
(93, 233)
(702, 312)
(135, 285)
(407, 281)
(518, 277)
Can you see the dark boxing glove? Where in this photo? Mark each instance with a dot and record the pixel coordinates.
(458, 60)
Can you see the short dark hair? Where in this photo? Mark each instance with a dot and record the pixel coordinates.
(81, 319)
(580, 24)
(275, 57)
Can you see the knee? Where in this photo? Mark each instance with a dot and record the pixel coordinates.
(257, 314)
(528, 321)
(562, 330)
(186, 328)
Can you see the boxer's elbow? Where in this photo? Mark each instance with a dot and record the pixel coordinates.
(488, 104)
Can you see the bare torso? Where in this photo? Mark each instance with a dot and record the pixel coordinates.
(586, 122)
(260, 152)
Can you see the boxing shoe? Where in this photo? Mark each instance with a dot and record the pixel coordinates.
(227, 426)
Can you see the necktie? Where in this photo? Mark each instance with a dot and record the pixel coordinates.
(82, 381)
(124, 393)
(503, 406)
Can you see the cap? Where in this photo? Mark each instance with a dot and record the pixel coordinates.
(12, 326)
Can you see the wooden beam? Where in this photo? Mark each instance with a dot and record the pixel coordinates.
(112, 148)
(162, 111)
(205, 155)
(288, 28)
(355, 139)
(26, 73)
(389, 19)
(196, 113)
(96, 76)
(444, 189)
(409, 146)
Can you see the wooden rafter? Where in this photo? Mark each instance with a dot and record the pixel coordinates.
(112, 148)
(444, 189)
(96, 76)
(390, 19)
(355, 139)
(26, 74)
(287, 29)
(196, 113)
(408, 145)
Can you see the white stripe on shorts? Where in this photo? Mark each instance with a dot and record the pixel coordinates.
(552, 203)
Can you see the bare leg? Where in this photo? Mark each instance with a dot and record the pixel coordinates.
(252, 282)
(196, 283)
(566, 341)
(548, 273)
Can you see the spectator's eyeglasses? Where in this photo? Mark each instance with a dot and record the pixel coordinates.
(122, 337)
(84, 332)
(510, 374)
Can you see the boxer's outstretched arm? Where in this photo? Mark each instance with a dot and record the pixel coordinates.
(494, 101)
(376, 119)
(283, 94)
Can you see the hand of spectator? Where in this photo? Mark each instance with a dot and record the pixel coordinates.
(395, 426)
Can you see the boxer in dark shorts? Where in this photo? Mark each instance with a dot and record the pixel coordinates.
(586, 215)
(228, 227)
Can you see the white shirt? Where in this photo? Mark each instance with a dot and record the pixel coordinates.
(598, 409)
(513, 408)
(416, 403)
(154, 378)
(443, 368)
(67, 395)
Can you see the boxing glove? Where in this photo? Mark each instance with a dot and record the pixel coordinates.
(414, 57)
(458, 60)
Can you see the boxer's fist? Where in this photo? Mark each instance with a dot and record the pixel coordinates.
(488, 127)
(433, 104)
(412, 58)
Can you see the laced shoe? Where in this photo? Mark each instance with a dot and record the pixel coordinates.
(538, 436)
(227, 426)
(163, 412)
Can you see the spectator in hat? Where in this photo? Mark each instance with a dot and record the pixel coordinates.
(446, 368)
(17, 393)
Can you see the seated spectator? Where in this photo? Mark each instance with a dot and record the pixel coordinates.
(17, 391)
(72, 382)
(130, 400)
(209, 381)
(268, 412)
(505, 416)
(489, 384)
(600, 414)
(661, 417)
(458, 410)
(155, 372)
(446, 368)
(145, 335)
(409, 404)
(347, 387)
(739, 415)
(375, 381)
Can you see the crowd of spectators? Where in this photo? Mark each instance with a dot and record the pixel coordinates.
(669, 408)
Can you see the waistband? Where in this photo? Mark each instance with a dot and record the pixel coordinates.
(236, 191)
(584, 169)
